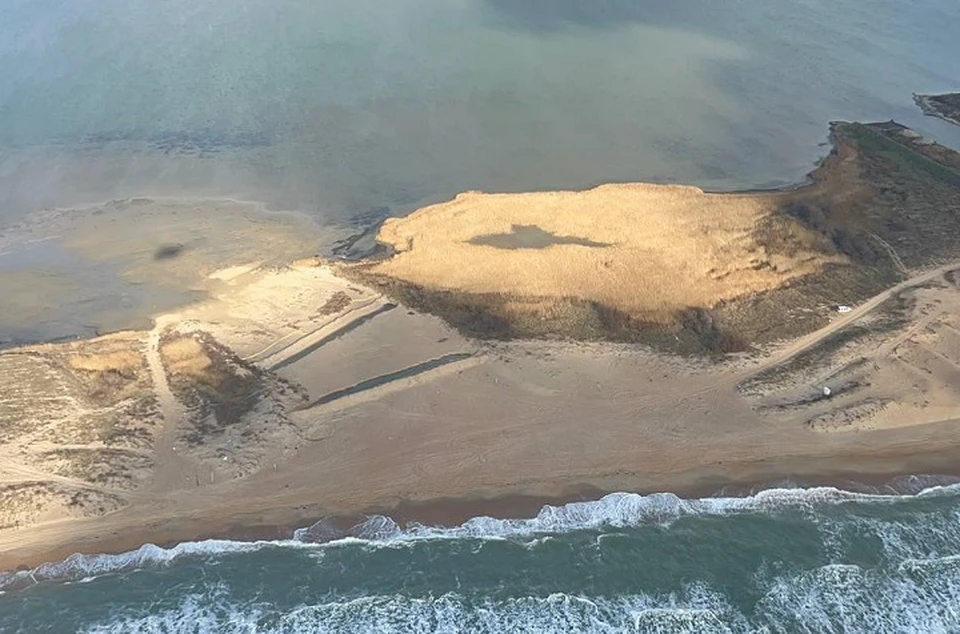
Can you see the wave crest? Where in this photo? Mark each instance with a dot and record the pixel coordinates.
(617, 510)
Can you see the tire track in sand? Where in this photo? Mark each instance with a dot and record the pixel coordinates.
(170, 466)
(812, 339)
(170, 407)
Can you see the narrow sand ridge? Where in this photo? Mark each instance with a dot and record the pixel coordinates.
(322, 336)
(276, 352)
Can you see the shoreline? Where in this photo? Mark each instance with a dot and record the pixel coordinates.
(942, 106)
(934, 469)
(369, 406)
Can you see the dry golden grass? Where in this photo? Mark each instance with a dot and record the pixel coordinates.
(185, 355)
(119, 361)
(647, 250)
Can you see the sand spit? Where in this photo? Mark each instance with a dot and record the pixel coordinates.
(312, 389)
(675, 267)
(946, 106)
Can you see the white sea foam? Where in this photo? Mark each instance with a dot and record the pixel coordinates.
(832, 598)
(846, 598)
(77, 566)
(630, 509)
(696, 609)
(618, 510)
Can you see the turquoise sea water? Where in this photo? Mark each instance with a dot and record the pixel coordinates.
(353, 110)
(783, 560)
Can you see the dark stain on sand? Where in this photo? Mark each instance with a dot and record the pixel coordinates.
(169, 251)
(530, 237)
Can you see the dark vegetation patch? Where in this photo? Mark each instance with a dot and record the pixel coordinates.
(901, 200)
(816, 357)
(94, 502)
(132, 425)
(816, 395)
(223, 393)
(113, 468)
(804, 305)
(877, 141)
(219, 395)
(496, 316)
(953, 277)
(848, 416)
(117, 405)
(891, 316)
(337, 302)
(946, 106)
(22, 503)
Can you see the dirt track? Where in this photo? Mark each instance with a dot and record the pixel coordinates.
(844, 320)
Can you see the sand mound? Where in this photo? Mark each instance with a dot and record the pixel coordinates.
(649, 251)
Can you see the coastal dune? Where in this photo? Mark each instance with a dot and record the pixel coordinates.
(649, 251)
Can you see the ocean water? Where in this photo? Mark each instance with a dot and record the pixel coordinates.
(349, 111)
(782, 560)
(352, 110)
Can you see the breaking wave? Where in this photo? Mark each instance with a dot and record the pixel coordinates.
(833, 598)
(616, 510)
(695, 610)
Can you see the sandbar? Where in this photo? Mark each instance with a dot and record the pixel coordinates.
(432, 391)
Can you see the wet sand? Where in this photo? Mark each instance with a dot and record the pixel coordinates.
(877, 474)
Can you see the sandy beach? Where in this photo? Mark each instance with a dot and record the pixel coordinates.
(291, 392)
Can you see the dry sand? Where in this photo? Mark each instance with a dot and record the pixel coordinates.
(398, 408)
(291, 393)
